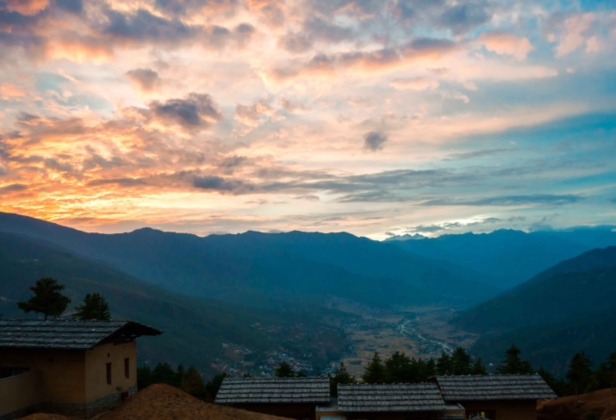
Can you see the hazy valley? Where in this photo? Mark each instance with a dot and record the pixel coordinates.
(244, 303)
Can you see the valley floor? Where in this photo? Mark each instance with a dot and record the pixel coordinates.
(420, 332)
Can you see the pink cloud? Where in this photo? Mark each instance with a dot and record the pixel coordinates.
(26, 7)
(502, 42)
(414, 83)
(10, 91)
(572, 32)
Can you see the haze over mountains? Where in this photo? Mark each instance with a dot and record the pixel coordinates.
(509, 257)
(208, 291)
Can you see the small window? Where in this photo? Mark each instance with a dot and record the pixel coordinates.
(108, 373)
(126, 368)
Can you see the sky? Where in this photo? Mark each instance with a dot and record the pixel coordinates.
(378, 118)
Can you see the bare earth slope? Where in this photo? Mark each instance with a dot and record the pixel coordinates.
(598, 405)
(164, 402)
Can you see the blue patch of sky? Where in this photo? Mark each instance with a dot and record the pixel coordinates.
(50, 82)
(597, 5)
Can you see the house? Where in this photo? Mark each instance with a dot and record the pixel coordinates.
(392, 402)
(496, 397)
(78, 368)
(287, 397)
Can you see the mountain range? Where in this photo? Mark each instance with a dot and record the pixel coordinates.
(254, 268)
(550, 292)
(509, 257)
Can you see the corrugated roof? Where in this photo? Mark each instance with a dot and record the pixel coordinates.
(390, 398)
(494, 387)
(67, 334)
(274, 390)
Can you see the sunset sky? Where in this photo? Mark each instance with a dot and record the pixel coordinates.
(373, 117)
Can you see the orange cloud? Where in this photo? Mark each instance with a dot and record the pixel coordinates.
(386, 59)
(79, 49)
(26, 7)
(502, 42)
(414, 83)
(11, 91)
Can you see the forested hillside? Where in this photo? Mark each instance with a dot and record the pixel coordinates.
(568, 308)
(194, 328)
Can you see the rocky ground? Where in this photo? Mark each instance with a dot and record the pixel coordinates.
(598, 405)
(163, 402)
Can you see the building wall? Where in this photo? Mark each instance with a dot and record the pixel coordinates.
(72, 382)
(96, 361)
(392, 416)
(18, 393)
(505, 410)
(62, 372)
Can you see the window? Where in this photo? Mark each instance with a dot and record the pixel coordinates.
(126, 368)
(488, 414)
(108, 373)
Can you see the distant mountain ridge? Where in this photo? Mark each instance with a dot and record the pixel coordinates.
(510, 257)
(253, 268)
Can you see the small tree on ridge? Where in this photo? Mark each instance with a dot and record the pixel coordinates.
(47, 298)
(94, 307)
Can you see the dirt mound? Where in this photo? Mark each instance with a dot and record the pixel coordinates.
(45, 416)
(598, 405)
(164, 402)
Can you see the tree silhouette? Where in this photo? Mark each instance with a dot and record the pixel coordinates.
(478, 367)
(513, 364)
(94, 307)
(580, 372)
(47, 298)
(444, 364)
(460, 362)
(284, 371)
(341, 376)
(374, 372)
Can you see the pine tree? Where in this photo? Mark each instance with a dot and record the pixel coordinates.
(374, 372)
(580, 373)
(192, 382)
(398, 368)
(513, 365)
(478, 367)
(95, 307)
(284, 371)
(430, 368)
(602, 377)
(213, 385)
(444, 364)
(460, 362)
(47, 298)
(341, 376)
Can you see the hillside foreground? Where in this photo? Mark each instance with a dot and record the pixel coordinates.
(598, 405)
(164, 402)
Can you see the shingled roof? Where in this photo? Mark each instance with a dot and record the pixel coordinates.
(494, 387)
(67, 334)
(278, 390)
(390, 398)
